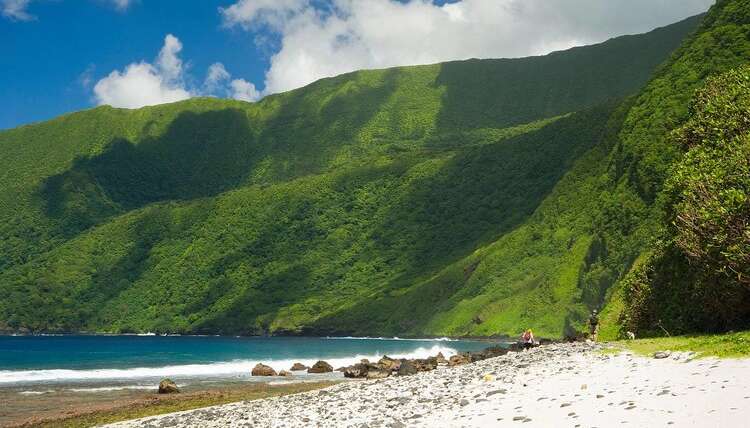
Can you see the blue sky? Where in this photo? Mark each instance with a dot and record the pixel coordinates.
(58, 56)
(44, 62)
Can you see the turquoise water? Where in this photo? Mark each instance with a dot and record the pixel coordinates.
(139, 361)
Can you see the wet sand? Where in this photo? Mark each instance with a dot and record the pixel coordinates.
(57, 405)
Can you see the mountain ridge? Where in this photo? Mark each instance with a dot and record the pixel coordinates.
(426, 200)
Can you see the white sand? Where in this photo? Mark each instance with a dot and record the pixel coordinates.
(553, 386)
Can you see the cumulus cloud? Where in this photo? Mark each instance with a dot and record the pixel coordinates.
(143, 83)
(15, 10)
(219, 83)
(325, 39)
(244, 90)
(164, 81)
(216, 77)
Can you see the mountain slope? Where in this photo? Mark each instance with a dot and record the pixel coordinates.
(457, 198)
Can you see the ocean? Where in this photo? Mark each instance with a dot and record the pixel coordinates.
(46, 376)
(39, 363)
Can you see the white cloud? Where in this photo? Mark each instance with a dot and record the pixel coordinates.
(244, 90)
(139, 85)
(142, 84)
(15, 10)
(218, 83)
(168, 61)
(266, 12)
(355, 34)
(216, 78)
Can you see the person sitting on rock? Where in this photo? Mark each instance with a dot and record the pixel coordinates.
(527, 339)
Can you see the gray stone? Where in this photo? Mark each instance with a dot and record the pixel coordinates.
(166, 386)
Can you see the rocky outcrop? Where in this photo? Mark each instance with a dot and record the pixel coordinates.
(263, 370)
(426, 364)
(285, 373)
(298, 367)
(387, 366)
(166, 386)
(378, 372)
(320, 367)
(389, 363)
(357, 371)
(407, 368)
(459, 359)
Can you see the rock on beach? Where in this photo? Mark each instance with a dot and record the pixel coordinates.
(320, 367)
(261, 369)
(166, 386)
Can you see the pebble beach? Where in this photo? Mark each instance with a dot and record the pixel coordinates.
(560, 385)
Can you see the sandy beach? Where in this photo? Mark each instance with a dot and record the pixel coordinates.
(574, 385)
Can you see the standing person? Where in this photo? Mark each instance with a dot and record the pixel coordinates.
(594, 325)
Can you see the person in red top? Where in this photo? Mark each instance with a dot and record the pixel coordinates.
(527, 339)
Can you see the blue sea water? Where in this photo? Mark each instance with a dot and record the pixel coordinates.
(139, 361)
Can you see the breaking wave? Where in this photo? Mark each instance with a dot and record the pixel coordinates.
(236, 368)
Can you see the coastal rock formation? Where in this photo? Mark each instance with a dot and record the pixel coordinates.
(320, 367)
(378, 372)
(425, 364)
(261, 369)
(407, 368)
(459, 359)
(298, 367)
(285, 373)
(357, 371)
(389, 363)
(166, 386)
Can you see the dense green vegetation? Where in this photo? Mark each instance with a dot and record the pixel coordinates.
(691, 175)
(730, 345)
(465, 198)
(698, 277)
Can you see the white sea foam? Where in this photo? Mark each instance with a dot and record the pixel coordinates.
(49, 391)
(219, 369)
(395, 338)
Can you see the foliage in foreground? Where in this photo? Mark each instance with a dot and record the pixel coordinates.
(699, 278)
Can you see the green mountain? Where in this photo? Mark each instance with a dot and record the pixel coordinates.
(466, 198)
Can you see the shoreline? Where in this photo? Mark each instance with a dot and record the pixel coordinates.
(84, 410)
(577, 384)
